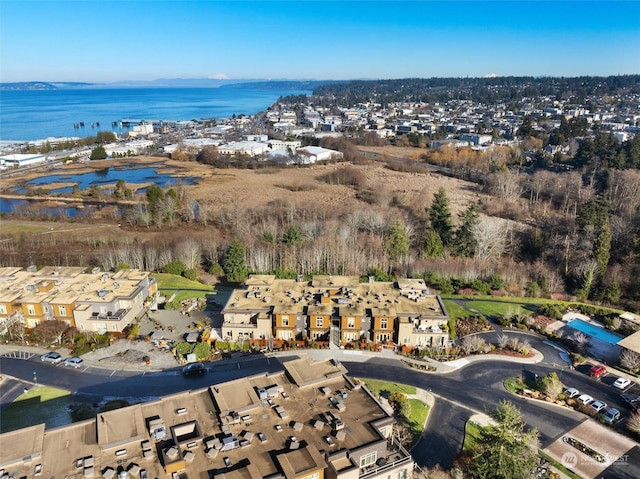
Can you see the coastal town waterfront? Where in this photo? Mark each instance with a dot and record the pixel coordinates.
(81, 112)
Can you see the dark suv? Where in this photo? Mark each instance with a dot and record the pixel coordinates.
(194, 369)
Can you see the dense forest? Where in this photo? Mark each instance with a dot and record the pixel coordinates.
(479, 90)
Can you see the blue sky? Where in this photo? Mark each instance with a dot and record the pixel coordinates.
(104, 41)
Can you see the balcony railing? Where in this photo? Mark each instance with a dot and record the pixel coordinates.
(429, 331)
(110, 315)
(396, 456)
(374, 470)
(233, 324)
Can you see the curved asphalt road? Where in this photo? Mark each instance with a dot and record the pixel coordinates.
(475, 388)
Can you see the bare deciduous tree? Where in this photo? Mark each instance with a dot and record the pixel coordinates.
(633, 422)
(630, 360)
(491, 237)
(189, 252)
(506, 185)
(472, 344)
(581, 340)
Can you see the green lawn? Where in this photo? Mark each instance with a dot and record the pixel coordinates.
(40, 404)
(506, 299)
(471, 435)
(501, 305)
(168, 284)
(385, 388)
(496, 308)
(455, 310)
(419, 412)
(513, 385)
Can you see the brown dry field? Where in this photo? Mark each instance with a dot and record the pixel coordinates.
(244, 188)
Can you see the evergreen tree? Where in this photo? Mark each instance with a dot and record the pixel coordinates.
(602, 247)
(440, 217)
(465, 238)
(433, 247)
(398, 243)
(154, 195)
(98, 153)
(234, 263)
(293, 236)
(505, 450)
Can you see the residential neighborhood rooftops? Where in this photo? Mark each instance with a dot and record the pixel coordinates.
(249, 428)
(324, 293)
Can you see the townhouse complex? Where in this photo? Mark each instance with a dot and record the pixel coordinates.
(90, 301)
(310, 421)
(338, 309)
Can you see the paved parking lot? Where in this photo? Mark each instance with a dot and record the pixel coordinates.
(613, 447)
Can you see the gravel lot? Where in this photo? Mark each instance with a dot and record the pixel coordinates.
(126, 354)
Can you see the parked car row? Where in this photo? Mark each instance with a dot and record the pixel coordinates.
(56, 358)
(611, 416)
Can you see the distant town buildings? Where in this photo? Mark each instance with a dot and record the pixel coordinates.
(17, 160)
(458, 123)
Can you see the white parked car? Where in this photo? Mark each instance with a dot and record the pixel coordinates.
(571, 392)
(598, 405)
(585, 399)
(621, 383)
(74, 362)
(51, 357)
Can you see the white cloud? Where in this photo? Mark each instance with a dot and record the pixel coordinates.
(491, 75)
(218, 76)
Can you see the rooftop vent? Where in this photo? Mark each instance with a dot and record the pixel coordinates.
(102, 293)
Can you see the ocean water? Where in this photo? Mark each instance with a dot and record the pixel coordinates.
(39, 114)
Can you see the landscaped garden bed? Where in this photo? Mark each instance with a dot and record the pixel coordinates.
(584, 449)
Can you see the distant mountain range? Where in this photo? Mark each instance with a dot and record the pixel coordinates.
(40, 85)
(173, 83)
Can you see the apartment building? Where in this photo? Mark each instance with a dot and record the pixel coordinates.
(310, 421)
(402, 312)
(90, 301)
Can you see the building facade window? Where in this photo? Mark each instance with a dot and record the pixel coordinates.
(351, 322)
(402, 474)
(319, 322)
(62, 310)
(3, 309)
(31, 310)
(285, 320)
(368, 459)
(286, 335)
(383, 323)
